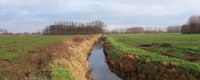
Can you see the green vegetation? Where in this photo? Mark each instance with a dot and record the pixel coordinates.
(59, 73)
(177, 49)
(19, 46)
(20, 55)
(45, 57)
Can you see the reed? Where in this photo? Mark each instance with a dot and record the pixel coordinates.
(69, 59)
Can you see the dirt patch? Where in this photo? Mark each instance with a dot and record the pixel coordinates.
(156, 44)
(169, 53)
(165, 45)
(146, 45)
(6, 60)
(12, 50)
(192, 57)
(33, 51)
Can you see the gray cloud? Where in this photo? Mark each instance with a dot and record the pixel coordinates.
(31, 15)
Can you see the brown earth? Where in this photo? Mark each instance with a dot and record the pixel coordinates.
(192, 57)
(188, 56)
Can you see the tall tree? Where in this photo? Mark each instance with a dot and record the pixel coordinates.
(69, 27)
(193, 26)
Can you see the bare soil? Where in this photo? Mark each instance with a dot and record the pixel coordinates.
(192, 57)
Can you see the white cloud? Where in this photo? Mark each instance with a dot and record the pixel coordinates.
(113, 12)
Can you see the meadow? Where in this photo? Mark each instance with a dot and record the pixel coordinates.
(167, 56)
(46, 57)
(181, 51)
(21, 55)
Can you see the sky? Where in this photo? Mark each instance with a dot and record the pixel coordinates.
(34, 15)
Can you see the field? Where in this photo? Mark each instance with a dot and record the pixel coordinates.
(181, 51)
(45, 57)
(21, 55)
(136, 56)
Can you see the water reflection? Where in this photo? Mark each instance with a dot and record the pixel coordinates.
(100, 69)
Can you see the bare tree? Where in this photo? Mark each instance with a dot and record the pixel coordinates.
(135, 30)
(3, 31)
(174, 29)
(193, 26)
(185, 29)
(63, 28)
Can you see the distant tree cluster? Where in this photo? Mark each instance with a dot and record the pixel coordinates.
(130, 30)
(3, 31)
(153, 30)
(192, 27)
(73, 28)
(174, 29)
(116, 31)
(135, 30)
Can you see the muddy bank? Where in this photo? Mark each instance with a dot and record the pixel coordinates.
(134, 67)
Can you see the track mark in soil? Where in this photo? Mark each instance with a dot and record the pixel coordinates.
(192, 57)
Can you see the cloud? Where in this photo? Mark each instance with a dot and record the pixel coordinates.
(31, 15)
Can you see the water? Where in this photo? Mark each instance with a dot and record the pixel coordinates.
(100, 69)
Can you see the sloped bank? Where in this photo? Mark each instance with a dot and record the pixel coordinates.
(68, 60)
(130, 66)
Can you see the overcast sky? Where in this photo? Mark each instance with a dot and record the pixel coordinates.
(33, 15)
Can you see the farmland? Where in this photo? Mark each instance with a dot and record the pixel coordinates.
(152, 54)
(18, 46)
(20, 55)
(130, 56)
(45, 57)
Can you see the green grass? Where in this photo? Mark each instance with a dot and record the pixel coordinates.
(19, 46)
(181, 44)
(59, 73)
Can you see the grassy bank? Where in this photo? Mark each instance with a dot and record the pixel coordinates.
(45, 57)
(69, 59)
(161, 56)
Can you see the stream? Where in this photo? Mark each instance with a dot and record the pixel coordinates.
(99, 66)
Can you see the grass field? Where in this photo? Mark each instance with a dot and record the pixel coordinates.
(19, 54)
(18, 46)
(177, 49)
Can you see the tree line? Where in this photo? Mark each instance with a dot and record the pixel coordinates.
(135, 30)
(174, 29)
(130, 30)
(74, 28)
(145, 30)
(192, 26)
(3, 31)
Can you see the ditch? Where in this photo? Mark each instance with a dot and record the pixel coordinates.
(99, 66)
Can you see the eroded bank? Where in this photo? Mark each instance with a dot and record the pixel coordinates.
(130, 66)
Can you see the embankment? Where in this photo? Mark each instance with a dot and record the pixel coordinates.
(67, 60)
(130, 66)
